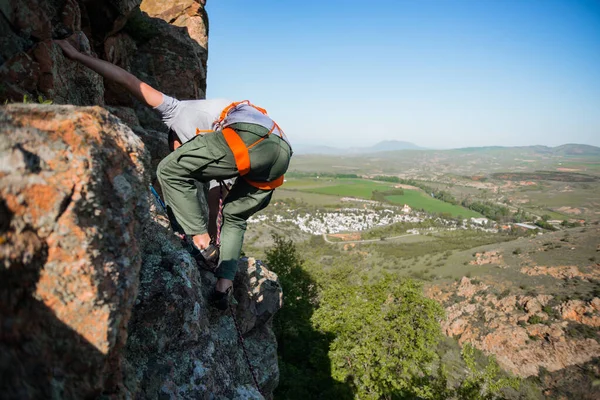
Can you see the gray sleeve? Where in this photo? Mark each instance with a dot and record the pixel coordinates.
(168, 109)
(185, 117)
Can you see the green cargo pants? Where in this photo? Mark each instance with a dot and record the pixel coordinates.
(208, 157)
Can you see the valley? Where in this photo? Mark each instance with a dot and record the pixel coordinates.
(512, 255)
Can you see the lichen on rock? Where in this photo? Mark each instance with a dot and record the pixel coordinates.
(68, 255)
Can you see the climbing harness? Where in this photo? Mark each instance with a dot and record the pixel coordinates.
(237, 146)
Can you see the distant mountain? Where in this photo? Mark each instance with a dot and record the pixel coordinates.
(386, 145)
(572, 149)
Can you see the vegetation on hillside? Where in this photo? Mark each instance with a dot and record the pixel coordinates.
(344, 335)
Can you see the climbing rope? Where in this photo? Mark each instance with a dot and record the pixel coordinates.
(235, 322)
(243, 345)
(220, 214)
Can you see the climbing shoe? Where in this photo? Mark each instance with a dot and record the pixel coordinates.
(220, 300)
(207, 258)
(62, 33)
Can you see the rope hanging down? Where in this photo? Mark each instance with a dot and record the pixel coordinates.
(235, 322)
(243, 345)
(218, 243)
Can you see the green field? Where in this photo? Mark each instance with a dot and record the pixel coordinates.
(419, 200)
(352, 188)
(362, 188)
(303, 183)
(313, 199)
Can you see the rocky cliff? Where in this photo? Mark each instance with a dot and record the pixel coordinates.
(97, 298)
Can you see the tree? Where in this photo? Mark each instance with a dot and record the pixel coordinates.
(352, 337)
(302, 351)
(385, 334)
(300, 292)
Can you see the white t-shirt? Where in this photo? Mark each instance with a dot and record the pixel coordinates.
(185, 116)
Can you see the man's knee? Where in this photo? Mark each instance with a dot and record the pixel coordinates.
(233, 219)
(161, 170)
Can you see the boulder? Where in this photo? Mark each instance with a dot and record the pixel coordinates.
(581, 312)
(119, 49)
(65, 81)
(104, 18)
(10, 42)
(30, 17)
(20, 76)
(156, 141)
(167, 59)
(70, 185)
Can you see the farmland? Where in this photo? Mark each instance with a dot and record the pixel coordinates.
(364, 188)
(420, 200)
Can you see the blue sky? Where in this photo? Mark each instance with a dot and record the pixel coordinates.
(438, 73)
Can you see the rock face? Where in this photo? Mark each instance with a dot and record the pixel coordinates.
(70, 180)
(169, 56)
(97, 297)
(185, 13)
(181, 348)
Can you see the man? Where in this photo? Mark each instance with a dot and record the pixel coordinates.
(216, 139)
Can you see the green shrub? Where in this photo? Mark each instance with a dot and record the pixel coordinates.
(581, 331)
(534, 319)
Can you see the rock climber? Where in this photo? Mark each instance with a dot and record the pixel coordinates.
(215, 140)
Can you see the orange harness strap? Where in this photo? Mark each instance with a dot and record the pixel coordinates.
(242, 160)
(237, 103)
(239, 150)
(266, 185)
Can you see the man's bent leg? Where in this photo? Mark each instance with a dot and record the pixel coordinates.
(177, 174)
(243, 201)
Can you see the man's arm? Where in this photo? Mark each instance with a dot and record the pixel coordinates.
(142, 91)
